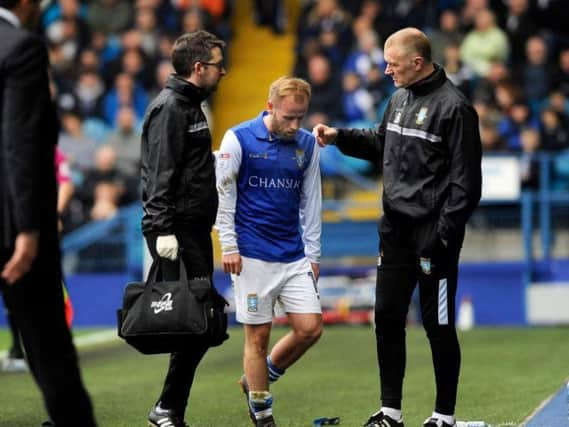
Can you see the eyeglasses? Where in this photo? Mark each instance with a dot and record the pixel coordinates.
(219, 65)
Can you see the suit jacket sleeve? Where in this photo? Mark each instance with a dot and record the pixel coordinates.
(26, 95)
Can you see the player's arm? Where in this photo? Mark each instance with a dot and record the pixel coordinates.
(311, 211)
(228, 162)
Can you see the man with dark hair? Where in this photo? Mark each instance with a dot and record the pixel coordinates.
(428, 146)
(29, 247)
(178, 192)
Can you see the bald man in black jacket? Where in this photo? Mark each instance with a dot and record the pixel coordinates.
(30, 270)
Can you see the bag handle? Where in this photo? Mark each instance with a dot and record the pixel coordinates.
(155, 269)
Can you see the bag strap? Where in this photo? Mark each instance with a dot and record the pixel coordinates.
(156, 267)
(183, 273)
(155, 270)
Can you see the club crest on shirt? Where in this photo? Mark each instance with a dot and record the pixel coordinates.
(421, 116)
(299, 157)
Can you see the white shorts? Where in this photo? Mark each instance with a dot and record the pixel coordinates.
(261, 284)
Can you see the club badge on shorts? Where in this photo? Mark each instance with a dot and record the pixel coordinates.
(252, 303)
(425, 264)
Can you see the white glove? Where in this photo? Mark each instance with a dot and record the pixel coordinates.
(167, 247)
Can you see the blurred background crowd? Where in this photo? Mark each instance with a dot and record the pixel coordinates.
(110, 58)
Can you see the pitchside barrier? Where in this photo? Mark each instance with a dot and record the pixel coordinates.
(101, 257)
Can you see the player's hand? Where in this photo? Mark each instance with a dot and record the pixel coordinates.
(325, 135)
(25, 252)
(167, 247)
(232, 263)
(315, 270)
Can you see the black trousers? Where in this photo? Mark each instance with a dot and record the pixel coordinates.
(197, 254)
(36, 303)
(411, 253)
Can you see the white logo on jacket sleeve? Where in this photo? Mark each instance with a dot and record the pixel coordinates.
(164, 304)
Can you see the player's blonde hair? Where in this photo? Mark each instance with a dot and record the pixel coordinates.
(286, 85)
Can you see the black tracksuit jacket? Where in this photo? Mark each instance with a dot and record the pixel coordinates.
(428, 147)
(178, 170)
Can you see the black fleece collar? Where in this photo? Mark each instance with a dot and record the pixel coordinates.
(430, 83)
(189, 90)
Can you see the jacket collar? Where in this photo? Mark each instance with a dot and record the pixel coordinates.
(190, 91)
(8, 16)
(430, 83)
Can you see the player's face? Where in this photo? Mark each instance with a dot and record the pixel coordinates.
(402, 67)
(287, 115)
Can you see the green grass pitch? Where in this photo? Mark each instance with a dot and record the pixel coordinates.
(505, 374)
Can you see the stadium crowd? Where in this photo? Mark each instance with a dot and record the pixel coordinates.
(510, 57)
(110, 58)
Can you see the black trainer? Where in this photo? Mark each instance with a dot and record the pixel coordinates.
(435, 422)
(381, 420)
(159, 417)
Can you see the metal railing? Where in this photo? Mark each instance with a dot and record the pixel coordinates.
(124, 230)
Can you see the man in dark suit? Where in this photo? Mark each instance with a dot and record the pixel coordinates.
(30, 270)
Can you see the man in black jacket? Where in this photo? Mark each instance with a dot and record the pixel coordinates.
(179, 195)
(29, 247)
(428, 147)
